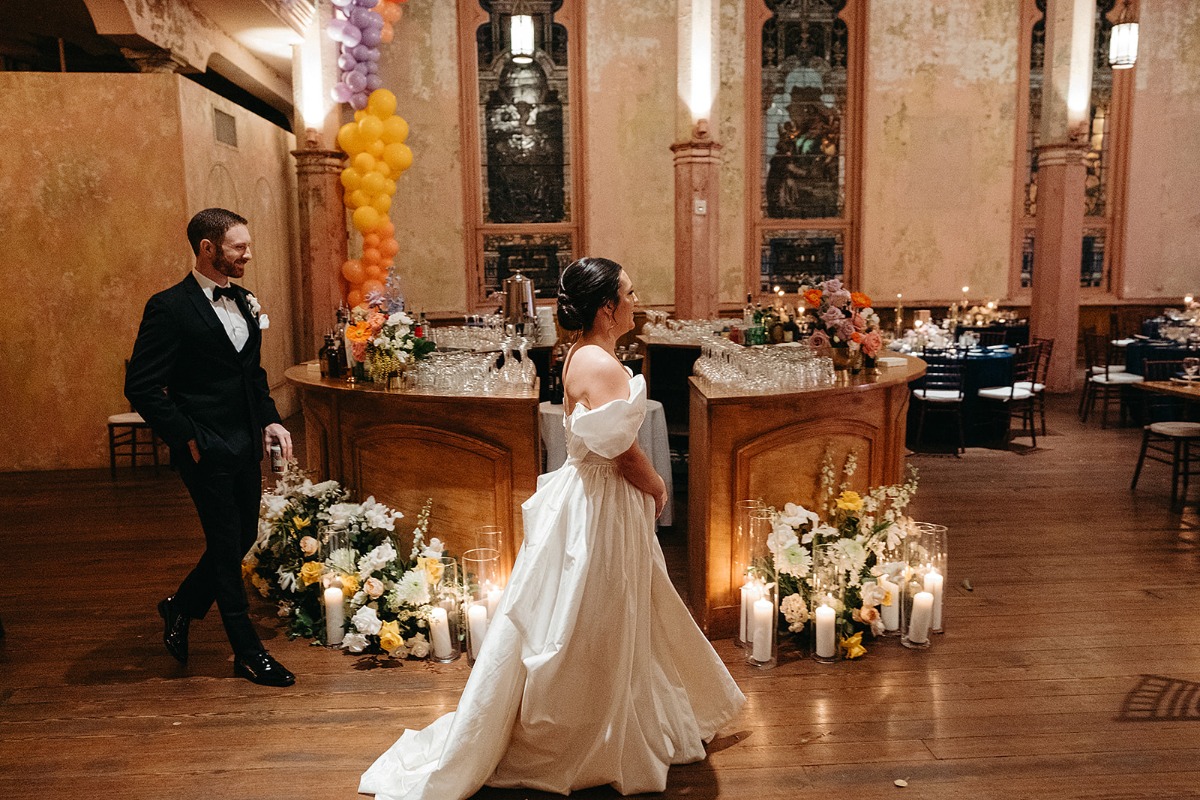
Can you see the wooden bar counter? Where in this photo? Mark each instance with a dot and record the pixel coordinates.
(478, 457)
(771, 447)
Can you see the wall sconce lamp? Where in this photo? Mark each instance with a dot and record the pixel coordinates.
(1123, 41)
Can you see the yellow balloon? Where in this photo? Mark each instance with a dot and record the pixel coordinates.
(381, 103)
(358, 198)
(373, 183)
(351, 179)
(398, 157)
(364, 162)
(375, 148)
(348, 139)
(381, 203)
(366, 218)
(383, 169)
(370, 128)
(389, 186)
(358, 115)
(395, 130)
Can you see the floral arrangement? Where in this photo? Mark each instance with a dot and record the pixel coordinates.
(310, 534)
(854, 543)
(844, 318)
(381, 337)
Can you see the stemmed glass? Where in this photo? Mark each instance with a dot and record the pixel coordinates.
(1191, 367)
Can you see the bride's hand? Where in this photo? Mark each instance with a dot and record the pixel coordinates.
(660, 499)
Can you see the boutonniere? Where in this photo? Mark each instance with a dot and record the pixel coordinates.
(256, 310)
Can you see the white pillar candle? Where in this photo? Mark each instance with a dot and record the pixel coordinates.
(922, 615)
(335, 615)
(493, 600)
(750, 593)
(764, 613)
(478, 625)
(439, 629)
(889, 610)
(826, 643)
(934, 581)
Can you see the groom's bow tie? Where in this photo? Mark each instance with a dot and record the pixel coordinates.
(224, 291)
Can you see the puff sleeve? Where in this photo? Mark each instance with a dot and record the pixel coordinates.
(611, 429)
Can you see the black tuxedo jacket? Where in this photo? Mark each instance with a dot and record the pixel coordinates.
(186, 379)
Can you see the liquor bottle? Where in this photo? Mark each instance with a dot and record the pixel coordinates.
(419, 326)
(323, 355)
(748, 311)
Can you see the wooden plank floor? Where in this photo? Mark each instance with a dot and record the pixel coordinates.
(1072, 670)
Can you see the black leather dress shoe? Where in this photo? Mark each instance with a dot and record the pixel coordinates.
(175, 629)
(260, 668)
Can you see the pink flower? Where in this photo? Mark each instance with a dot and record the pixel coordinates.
(360, 350)
(860, 324)
(819, 339)
(872, 343)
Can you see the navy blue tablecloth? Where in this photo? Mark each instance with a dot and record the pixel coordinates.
(1136, 353)
(980, 426)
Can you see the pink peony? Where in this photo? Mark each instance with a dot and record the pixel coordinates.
(872, 343)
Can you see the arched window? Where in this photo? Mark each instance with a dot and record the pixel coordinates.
(520, 134)
(1108, 132)
(804, 101)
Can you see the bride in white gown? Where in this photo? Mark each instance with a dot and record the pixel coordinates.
(593, 671)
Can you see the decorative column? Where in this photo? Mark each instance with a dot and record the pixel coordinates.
(1058, 237)
(696, 225)
(322, 231)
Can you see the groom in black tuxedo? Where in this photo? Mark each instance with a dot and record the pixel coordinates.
(195, 377)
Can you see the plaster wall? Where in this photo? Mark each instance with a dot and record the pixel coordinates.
(630, 112)
(1163, 215)
(730, 104)
(939, 148)
(256, 179)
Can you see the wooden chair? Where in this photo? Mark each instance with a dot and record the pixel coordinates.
(1166, 439)
(125, 439)
(993, 337)
(942, 392)
(1016, 400)
(1106, 377)
(1038, 385)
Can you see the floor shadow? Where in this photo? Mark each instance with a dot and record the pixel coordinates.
(1157, 698)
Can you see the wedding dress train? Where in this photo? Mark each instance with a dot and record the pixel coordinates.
(593, 671)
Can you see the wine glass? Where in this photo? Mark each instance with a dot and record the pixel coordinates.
(1191, 367)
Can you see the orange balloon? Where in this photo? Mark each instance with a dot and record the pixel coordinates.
(372, 239)
(386, 35)
(353, 271)
(389, 11)
(395, 130)
(386, 229)
(354, 297)
(376, 273)
(389, 247)
(370, 286)
(371, 256)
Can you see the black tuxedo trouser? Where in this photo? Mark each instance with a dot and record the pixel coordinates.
(227, 498)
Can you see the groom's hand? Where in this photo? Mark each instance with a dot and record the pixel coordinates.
(277, 434)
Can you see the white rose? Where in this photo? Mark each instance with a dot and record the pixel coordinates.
(794, 515)
(354, 642)
(373, 587)
(365, 620)
(309, 545)
(418, 647)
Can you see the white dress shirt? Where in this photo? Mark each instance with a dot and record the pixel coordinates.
(227, 311)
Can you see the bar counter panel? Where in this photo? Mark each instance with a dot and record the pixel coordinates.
(771, 447)
(477, 457)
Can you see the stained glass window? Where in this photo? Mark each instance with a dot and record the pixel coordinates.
(538, 256)
(804, 99)
(1091, 266)
(791, 259)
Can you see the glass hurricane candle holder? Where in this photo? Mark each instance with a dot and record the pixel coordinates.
(491, 537)
(481, 596)
(916, 609)
(936, 576)
(891, 581)
(826, 602)
(762, 649)
(752, 525)
(445, 620)
(333, 603)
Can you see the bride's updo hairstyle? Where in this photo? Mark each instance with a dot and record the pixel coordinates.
(585, 286)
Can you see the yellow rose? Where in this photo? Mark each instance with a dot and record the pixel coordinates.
(248, 567)
(389, 636)
(300, 523)
(433, 568)
(853, 646)
(849, 501)
(311, 572)
(349, 584)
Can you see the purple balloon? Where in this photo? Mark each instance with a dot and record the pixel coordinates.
(336, 29)
(362, 67)
(374, 21)
(374, 82)
(361, 52)
(340, 93)
(361, 18)
(359, 101)
(366, 3)
(372, 68)
(371, 37)
(357, 81)
(373, 54)
(346, 62)
(351, 35)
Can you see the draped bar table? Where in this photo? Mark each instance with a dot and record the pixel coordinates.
(476, 456)
(771, 447)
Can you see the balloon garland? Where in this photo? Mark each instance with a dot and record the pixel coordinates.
(374, 141)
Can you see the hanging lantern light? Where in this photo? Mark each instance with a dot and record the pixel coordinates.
(1123, 42)
(521, 33)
